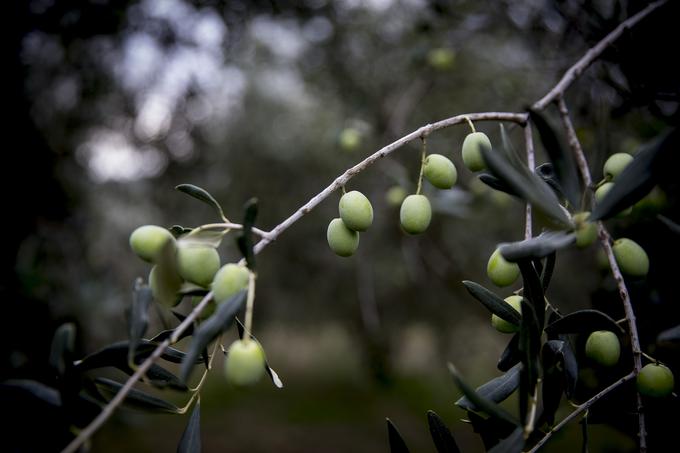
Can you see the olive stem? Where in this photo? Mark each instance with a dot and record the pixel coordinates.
(423, 155)
(472, 126)
(227, 226)
(531, 163)
(605, 242)
(250, 303)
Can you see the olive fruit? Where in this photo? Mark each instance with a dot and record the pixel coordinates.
(207, 311)
(197, 264)
(415, 214)
(472, 153)
(356, 211)
(165, 284)
(500, 271)
(441, 58)
(148, 241)
(245, 362)
(602, 191)
(349, 139)
(229, 280)
(342, 240)
(586, 232)
(631, 258)
(440, 171)
(655, 380)
(615, 165)
(395, 195)
(501, 324)
(603, 347)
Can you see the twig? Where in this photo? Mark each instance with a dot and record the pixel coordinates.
(531, 163)
(605, 241)
(229, 226)
(580, 408)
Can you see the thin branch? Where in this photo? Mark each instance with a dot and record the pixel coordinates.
(230, 226)
(581, 408)
(605, 241)
(593, 54)
(531, 163)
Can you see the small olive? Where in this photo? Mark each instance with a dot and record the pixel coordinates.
(655, 380)
(395, 195)
(440, 171)
(229, 280)
(603, 347)
(341, 240)
(472, 153)
(165, 284)
(415, 214)
(441, 58)
(631, 258)
(197, 264)
(500, 271)
(349, 139)
(148, 241)
(586, 232)
(501, 324)
(615, 164)
(245, 362)
(356, 211)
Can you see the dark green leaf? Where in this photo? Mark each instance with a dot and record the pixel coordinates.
(547, 173)
(548, 269)
(562, 160)
(441, 435)
(512, 444)
(210, 329)
(397, 444)
(484, 405)
(491, 430)
(652, 164)
(529, 346)
(139, 316)
(583, 321)
(496, 390)
(496, 184)
(162, 378)
(135, 399)
(115, 355)
(191, 438)
(527, 185)
(35, 389)
(61, 351)
(671, 335)
(203, 195)
(553, 379)
(245, 240)
(510, 355)
(533, 292)
(674, 227)
(537, 247)
(492, 302)
(570, 368)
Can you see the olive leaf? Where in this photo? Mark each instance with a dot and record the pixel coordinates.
(514, 443)
(496, 184)
(510, 355)
(490, 429)
(135, 399)
(191, 438)
(61, 351)
(492, 302)
(116, 355)
(671, 335)
(139, 316)
(441, 435)
(245, 239)
(496, 390)
(529, 346)
(203, 195)
(537, 247)
(397, 444)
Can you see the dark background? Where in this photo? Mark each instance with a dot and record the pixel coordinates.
(112, 103)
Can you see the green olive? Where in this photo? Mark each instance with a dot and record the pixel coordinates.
(472, 153)
(245, 362)
(441, 58)
(349, 139)
(229, 280)
(602, 191)
(415, 214)
(440, 171)
(395, 195)
(631, 258)
(586, 232)
(615, 165)
(356, 211)
(603, 347)
(342, 240)
(165, 284)
(500, 271)
(501, 324)
(148, 241)
(197, 264)
(655, 380)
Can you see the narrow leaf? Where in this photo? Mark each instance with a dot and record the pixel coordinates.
(562, 160)
(491, 430)
(203, 195)
(583, 321)
(139, 316)
(135, 399)
(492, 302)
(245, 240)
(496, 184)
(115, 355)
(35, 389)
(512, 444)
(484, 405)
(533, 292)
(671, 335)
(397, 444)
(61, 351)
(162, 378)
(529, 347)
(537, 247)
(496, 390)
(209, 330)
(441, 435)
(547, 173)
(548, 269)
(674, 227)
(191, 438)
(510, 355)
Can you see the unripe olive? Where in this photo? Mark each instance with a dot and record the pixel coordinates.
(229, 280)
(586, 232)
(615, 165)
(655, 380)
(440, 171)
(165, 284)
(395, 195)
(602, 191)
(500, 271)
(148, 241)
(631, 258)
(472, 153)
(342, 240)
(245, 363)
(603, 347)
(501, 324)
(441, 58)
(415, 214)
(197, 264)
(356, 211)
(349, 139)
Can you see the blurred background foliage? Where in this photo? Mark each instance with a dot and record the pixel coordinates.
(113, 103)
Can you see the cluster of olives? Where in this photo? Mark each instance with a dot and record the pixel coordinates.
(356, 214)
(613, 167)
(200, 265)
